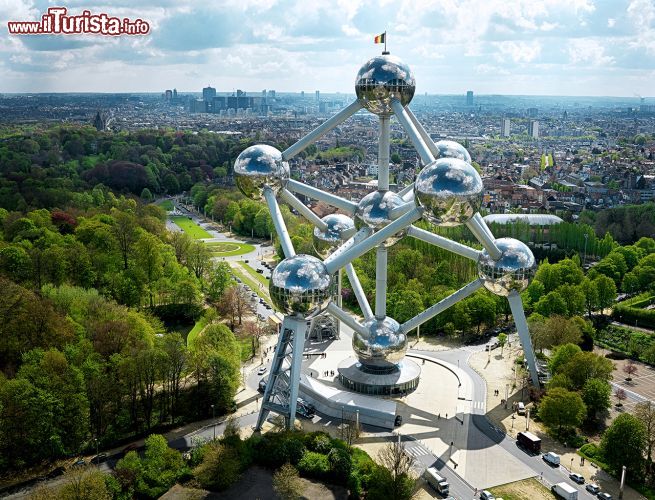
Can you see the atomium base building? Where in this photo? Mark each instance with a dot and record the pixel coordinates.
(447, 192)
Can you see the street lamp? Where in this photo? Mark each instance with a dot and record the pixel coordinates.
(213, 422)
(622, 482)
(572, 464)
(506, 394)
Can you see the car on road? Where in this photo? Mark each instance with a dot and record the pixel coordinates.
(577, 478)
(398, 421)
(551, 458)
(492, 346)
(487, 495)
(604, 496)
(593, 488)
(262, 370)
(99, 458)
(79, 462)
(520, 408)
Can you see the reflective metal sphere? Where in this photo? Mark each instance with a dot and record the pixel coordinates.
(301, 285)
(513, 271)
(381, 79)
(450, 190)
(452, 149)
(339, 228)
(383, 346)
(374, 211)
(258, 166)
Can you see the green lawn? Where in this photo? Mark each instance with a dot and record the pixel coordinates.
(191, 228)
(246, 348)
(228, 248)
(195, 331)
(166, 205)
(259, 277)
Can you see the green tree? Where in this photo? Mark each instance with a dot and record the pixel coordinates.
(596, 395)
(623, 444)
(286, 482)
(220, 467)
(606, 289)
(587, 365)
(219, 279)
(393, 479)
(502, 340)
(562, 409)
(645, 412)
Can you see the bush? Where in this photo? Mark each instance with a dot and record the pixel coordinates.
(276, 449)
(591, 451)
(220, 467)
(315, 465)
(340, 464)
(319, 442)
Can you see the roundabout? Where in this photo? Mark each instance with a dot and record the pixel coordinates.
(229, 248)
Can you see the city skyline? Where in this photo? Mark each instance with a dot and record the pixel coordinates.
(582, 47)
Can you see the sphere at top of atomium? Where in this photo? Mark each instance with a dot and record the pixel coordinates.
(301, 285)
(450, 190)
(339, 228)
(259, 166)
(382, 79)
(513, 271)
(375, 211)
(452, 149)
(383, 345)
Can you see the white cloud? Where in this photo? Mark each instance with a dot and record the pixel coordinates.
(588, 51)
(518, 52)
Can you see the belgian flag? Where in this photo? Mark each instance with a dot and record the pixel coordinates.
(381, 38)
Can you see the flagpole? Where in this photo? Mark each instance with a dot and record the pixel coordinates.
(385, 42)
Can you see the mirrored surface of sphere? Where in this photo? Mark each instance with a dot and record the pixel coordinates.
(384, 344)
(513, 271)
(301, 285)
(450, 190)
(339, 228)
(375, 211)
(452, 149)
(258, 166)
(382, 79)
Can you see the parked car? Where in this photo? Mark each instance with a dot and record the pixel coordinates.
(520, 408)
(398, 421)
(262, 370)
(99, 458)
(604, 496)
(593, 488)
(80, 462)
(577, 478)
(487, 495)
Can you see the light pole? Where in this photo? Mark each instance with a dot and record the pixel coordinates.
(213, 422)
(506, 394)
(527, 420)
(622, 482)
(572, 464)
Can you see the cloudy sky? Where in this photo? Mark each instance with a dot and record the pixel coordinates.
(546, 47)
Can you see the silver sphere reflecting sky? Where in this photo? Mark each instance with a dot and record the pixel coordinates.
(452, 149)
(374, 211)
(339, 228)
(301, 285)
(513, 271)
(382, 79)
(258, 166)
(384, 344)
(450, 190)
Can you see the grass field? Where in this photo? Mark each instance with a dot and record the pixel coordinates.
(166, 205)
(228, 248)
(191, 228)
(528, 489)
(259, 277)
(195, 331)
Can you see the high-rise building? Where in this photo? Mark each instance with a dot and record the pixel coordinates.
(318, 96)
(533, 112)
(469, 98)
(208, 93)
(504, 127)
(168, 95)
(197, 106)
(271, 94)
(264, 94)
(533, 129)
(174, 93)
(302, 94)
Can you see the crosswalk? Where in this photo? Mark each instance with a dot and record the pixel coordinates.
(418, 451)
(477, 405)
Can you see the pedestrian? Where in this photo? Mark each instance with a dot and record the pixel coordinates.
(423, 362)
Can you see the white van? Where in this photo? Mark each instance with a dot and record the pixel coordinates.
(520, 408)
(564, 490)
(551, 457)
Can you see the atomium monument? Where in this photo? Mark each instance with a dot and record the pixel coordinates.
(446, 192)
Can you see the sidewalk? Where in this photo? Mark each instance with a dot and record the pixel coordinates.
(498, 372)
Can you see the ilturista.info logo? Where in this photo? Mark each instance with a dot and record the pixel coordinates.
(57, 21)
